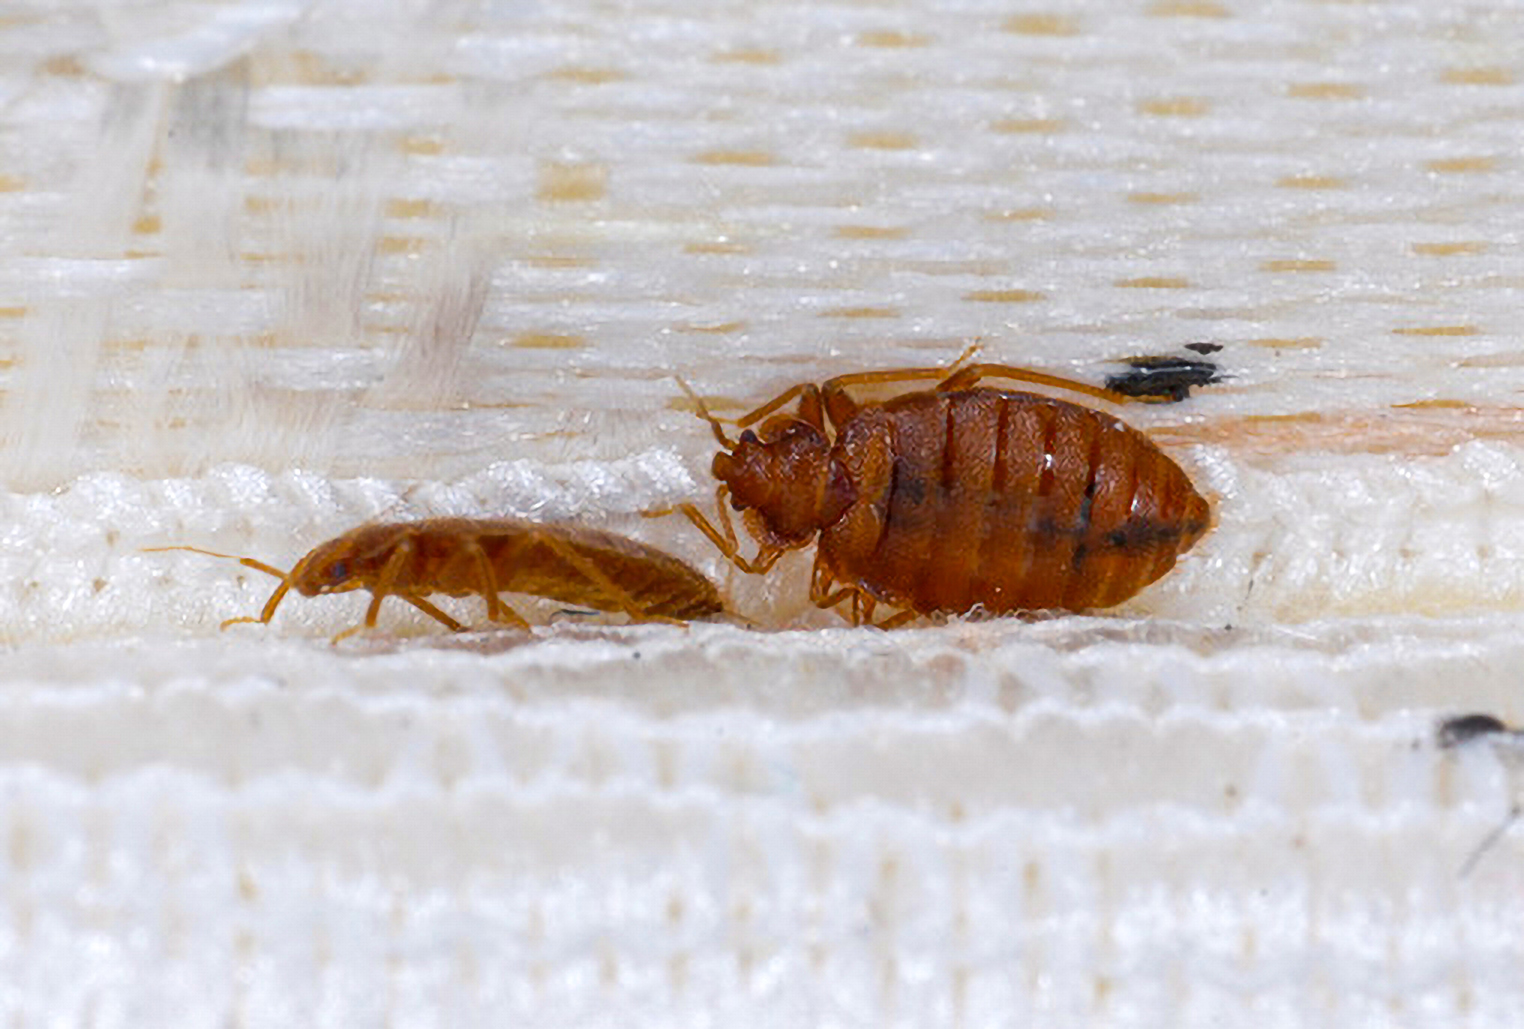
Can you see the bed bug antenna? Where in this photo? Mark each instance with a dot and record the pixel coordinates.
(703, 412)
(248, 562)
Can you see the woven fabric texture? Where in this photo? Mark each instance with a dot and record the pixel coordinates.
(276, 268)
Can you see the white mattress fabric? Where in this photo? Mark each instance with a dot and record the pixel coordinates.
(273, 270)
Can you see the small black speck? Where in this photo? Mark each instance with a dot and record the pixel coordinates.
(1204, 348)
(1163, 377)
(1453, 732)
(635, 654)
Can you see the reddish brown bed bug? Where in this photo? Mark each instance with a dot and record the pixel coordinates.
(484, 557)
(955, 499)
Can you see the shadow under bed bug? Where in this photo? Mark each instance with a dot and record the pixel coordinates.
(484, 557)
(953, 499)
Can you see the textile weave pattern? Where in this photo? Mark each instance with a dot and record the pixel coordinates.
(277, 268)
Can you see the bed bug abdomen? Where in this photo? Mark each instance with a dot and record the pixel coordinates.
(1006, 501)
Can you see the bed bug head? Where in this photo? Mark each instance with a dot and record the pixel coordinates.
(350, 562)
(787, 478)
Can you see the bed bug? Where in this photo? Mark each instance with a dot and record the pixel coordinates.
(484, 557)
(954, 499)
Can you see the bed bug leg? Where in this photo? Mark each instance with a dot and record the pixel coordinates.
(863, 607)
(381, 590)
(808, 394)
(497, 611)
(432, 611)
(862, 603)
(820, 588)
(725, 543)
(766, 556)
(489, 581)
(963, 358)
(338, 638)
(829, 601)
(971, 375)
(248, 562)
(960, 375)
(889, 375)
(764, 561)
(693, 514)
(894, 621)
(830, 399)
(269, 609)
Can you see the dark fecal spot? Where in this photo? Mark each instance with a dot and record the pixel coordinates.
(1165, 378)
(1146, 534)
(1453, 732)
(1204, 348)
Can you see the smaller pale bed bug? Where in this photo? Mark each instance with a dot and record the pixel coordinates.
(484, 557)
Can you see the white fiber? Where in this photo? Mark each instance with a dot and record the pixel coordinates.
(275, 270)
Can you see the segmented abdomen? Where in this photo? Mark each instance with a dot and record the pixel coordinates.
(570, 564)
(1009, 501)
(603, 571)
